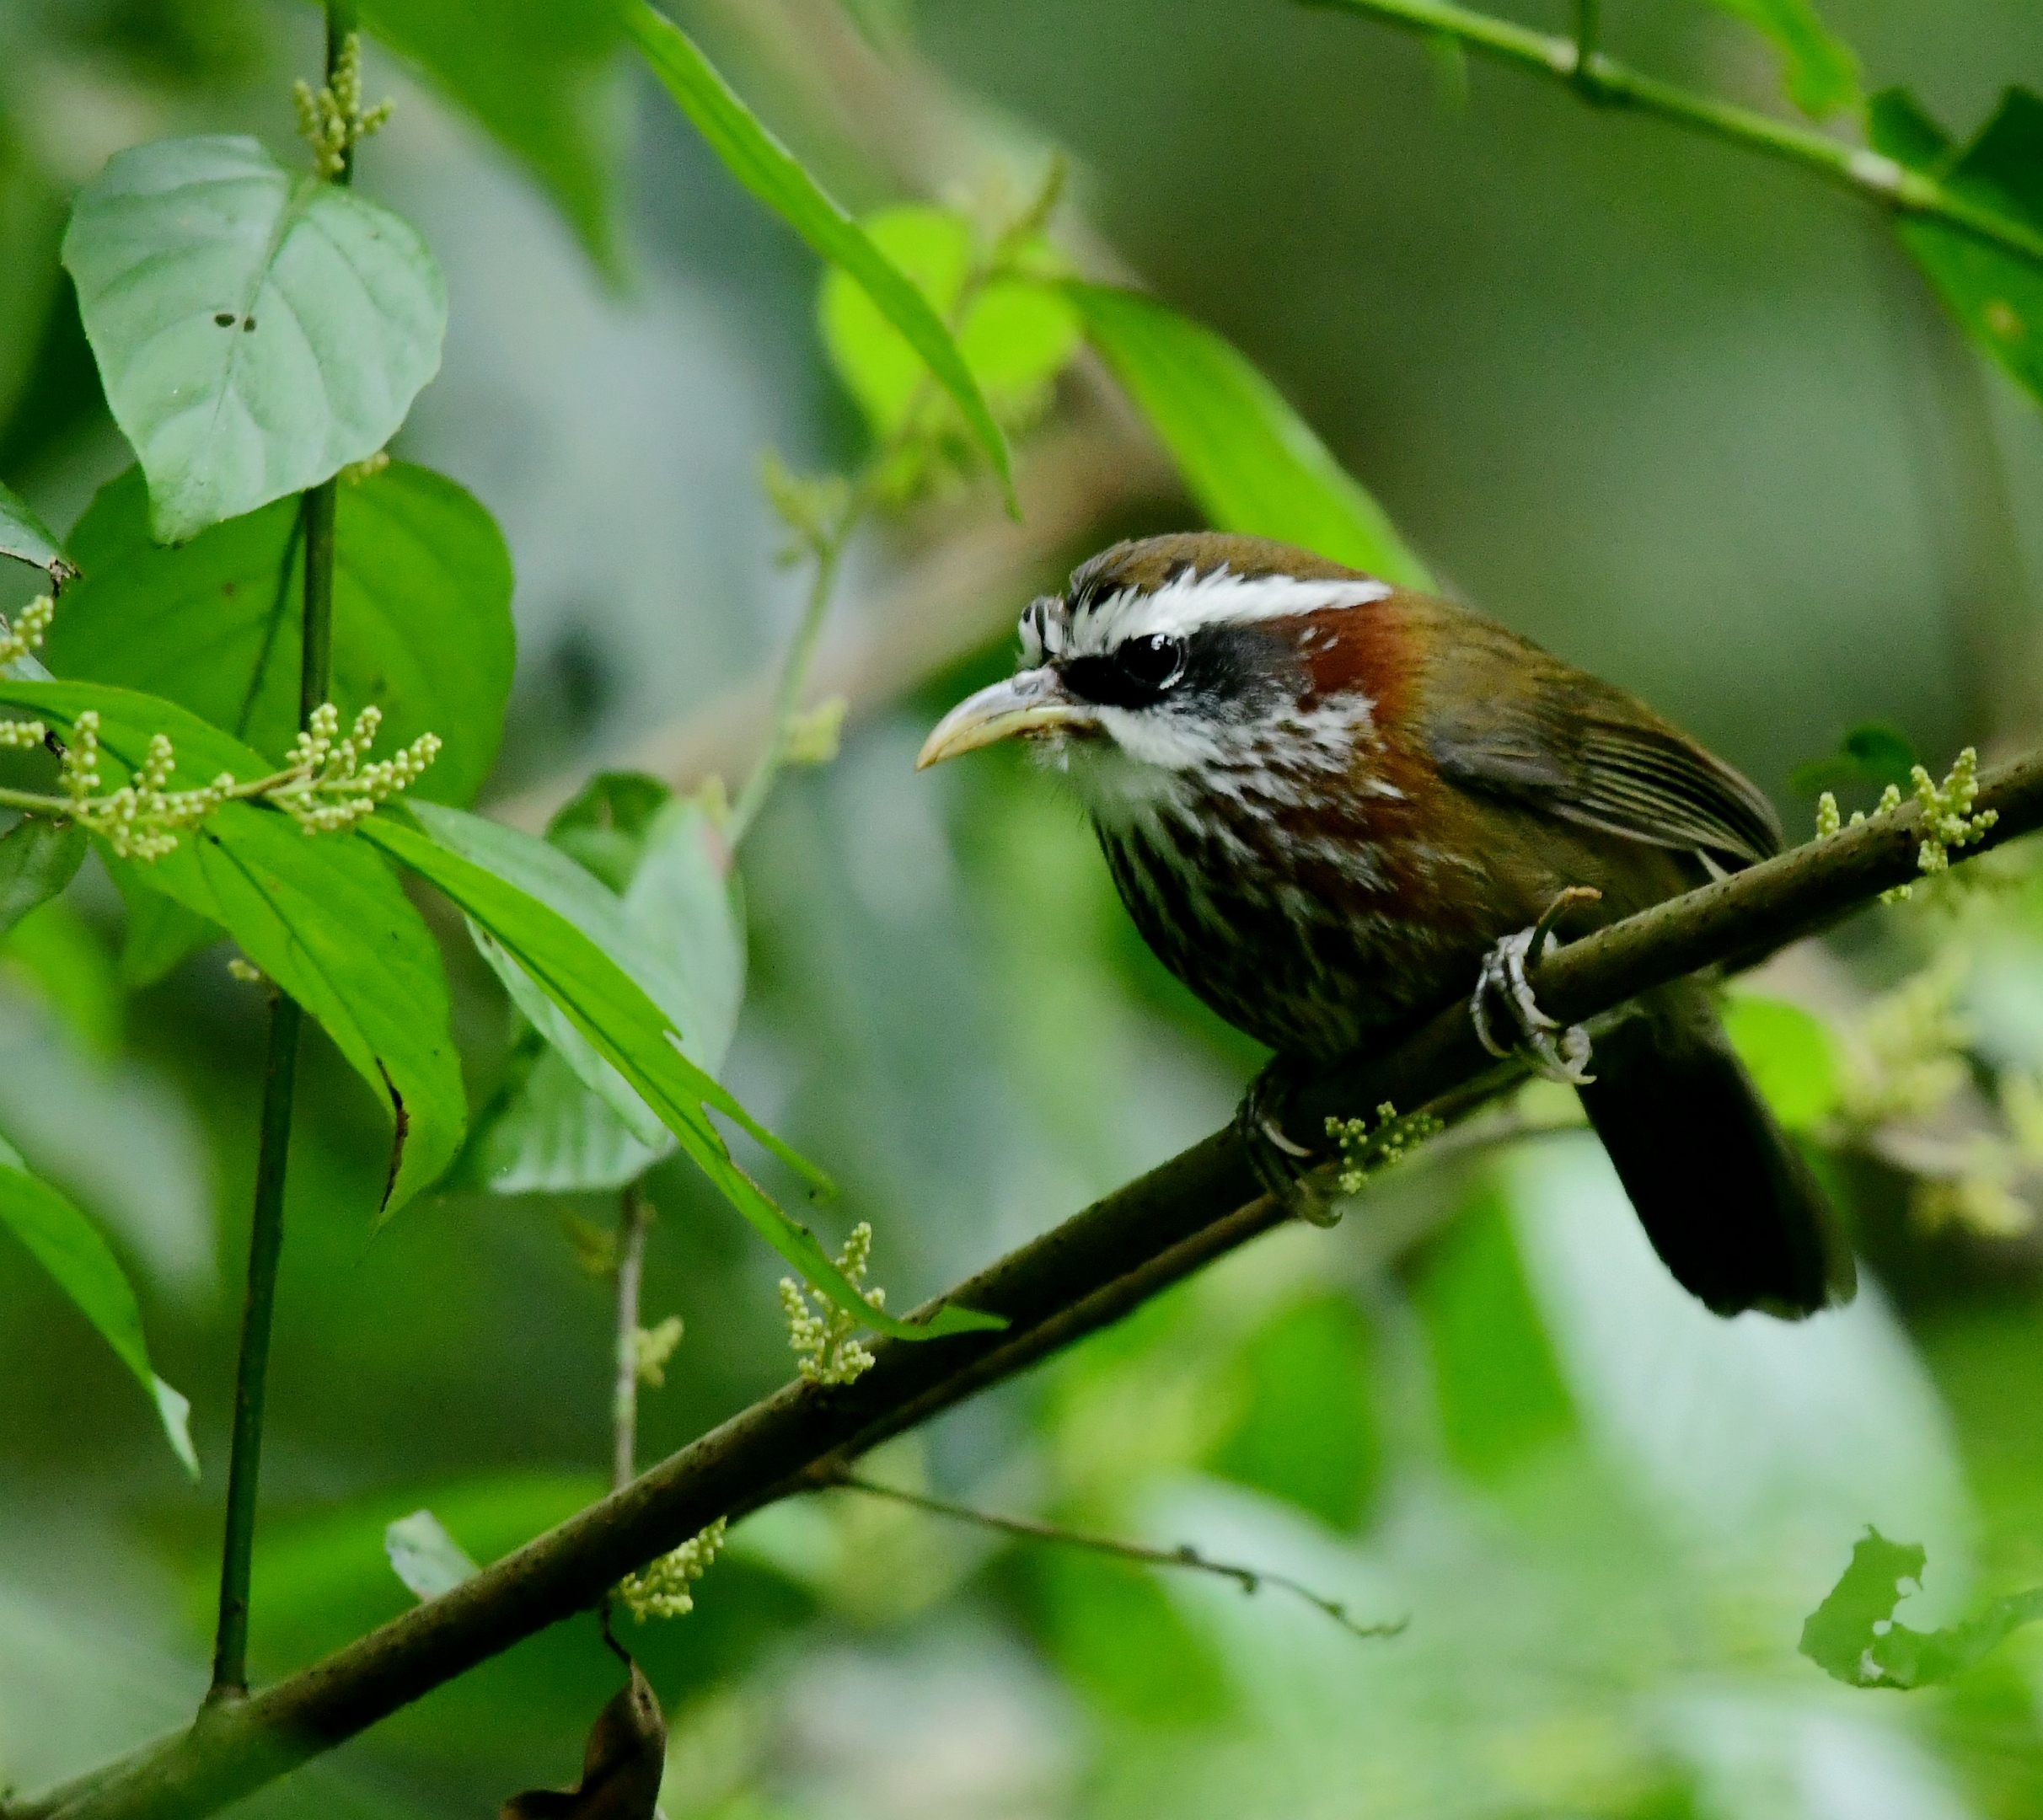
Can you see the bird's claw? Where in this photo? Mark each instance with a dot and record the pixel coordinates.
(1282, 1164)
(1556, 1053)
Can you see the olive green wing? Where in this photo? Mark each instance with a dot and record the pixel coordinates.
(1505, 717)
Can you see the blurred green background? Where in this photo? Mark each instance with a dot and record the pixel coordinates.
(1686, 418)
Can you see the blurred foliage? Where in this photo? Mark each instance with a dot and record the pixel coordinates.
(1632, 390)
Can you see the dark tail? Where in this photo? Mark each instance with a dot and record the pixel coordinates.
(1729, 1205)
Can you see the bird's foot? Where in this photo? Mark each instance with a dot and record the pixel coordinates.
(1556, 1052)
(1282, 1164)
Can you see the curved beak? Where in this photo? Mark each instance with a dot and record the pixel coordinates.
(1032, 702)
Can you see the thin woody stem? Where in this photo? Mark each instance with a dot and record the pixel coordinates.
(1093, 1269)
(1878, 179)
(1029, 1529)
(230, 1675)
(634, 1221)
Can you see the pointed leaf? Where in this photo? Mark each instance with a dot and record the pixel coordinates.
(256, 330)
(26, 539)
(68, 1245)
(1820, 69)
(421, 619)
(322, 917)
(161, 933)
(37, 861)
(1249, 458)
(563, 929)
(773, 173)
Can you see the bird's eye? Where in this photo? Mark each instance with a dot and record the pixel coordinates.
(1151, 664)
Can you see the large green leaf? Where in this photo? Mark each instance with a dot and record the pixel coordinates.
(422, 623)
(551, 1134)
(1821, 70)
(68, 1245)
(37, 859)
(1017, 334)
(27, 538)
(773, 173)
(160, 931)
(321, 916)
(1249, 459)
(1996, 296)
(256, 330)
(538, 74)
(569, 936)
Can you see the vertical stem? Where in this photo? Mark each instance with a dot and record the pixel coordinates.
(1588, 27)
(265, 1242)
(633, 1218)
(230, 1669)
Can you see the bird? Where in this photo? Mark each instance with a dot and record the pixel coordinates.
(1333, 805)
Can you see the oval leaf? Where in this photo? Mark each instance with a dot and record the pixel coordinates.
(422, 623)
(773, 173)
(256, 330)
(1249, 458)
(542, 908)
(323, 917)
(26, 539)
(68, 1245)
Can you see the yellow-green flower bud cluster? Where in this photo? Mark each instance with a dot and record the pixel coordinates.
(1366, 1149)
(660, 1589)
(141, 819)
(23, 734)
(332, 119)
(821, 1337)
(26, 633)
(1948, 819)
(332, 789)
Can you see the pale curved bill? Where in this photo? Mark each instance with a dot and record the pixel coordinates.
(1032, 702)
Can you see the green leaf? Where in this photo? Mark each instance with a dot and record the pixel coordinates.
(540, 75)
(424, 1556)
(1790, 1054)
(422, 623)
(1997, 296)
(322, 917)
(551, 1133)
(26, 539)
(772, 173)
(255, 331)
(38, 858)
(1820, 68)
(1017, 335)
(563, 929)
(161, 933)
(1852, 1637)
(68, 1245)
(1249, 458)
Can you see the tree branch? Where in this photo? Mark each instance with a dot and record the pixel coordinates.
(1607, 83)
(1085, 1273)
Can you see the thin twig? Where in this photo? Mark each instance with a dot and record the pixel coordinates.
(230, 1667)
(1127, 1247)
(634, 1221)
(1879, 180)
(1249, 1579)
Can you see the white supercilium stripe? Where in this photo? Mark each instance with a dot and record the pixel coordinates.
(1216, 597)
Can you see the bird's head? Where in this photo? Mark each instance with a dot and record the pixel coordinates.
(1194, 661)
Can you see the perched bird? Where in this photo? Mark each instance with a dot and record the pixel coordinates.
(1332, 806)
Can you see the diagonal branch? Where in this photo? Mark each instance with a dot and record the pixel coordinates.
(1074, 1279)
(1606, 83)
